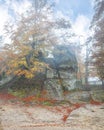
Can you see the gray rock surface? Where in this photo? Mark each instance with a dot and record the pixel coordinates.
(62, 75)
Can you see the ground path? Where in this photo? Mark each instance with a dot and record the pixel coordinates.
(16, 115)
(19, 117)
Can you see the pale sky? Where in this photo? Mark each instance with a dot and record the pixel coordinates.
(79, 12)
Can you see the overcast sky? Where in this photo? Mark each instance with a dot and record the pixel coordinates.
(79, 12)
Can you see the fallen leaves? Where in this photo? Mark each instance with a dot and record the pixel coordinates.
(93, 102)
(64, 110)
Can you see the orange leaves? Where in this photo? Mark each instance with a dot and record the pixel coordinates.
(65, 92)
(77, 105)
(1, 58)
(28, 99)
(6, 96)
(68, 110)
(65, 117)
(26, 73)
(58, 109)
(39, 100)
(95, 102)
(44, 92)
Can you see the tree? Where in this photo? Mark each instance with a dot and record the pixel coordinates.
(98, 42)
(30, 40)
(33, 39)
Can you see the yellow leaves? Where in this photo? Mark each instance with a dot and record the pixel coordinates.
(37, 63)
(34, 69)
(39, 66)
(15, 63)
(29, 76)
(26, 73)
(22, 62)
(8, 72)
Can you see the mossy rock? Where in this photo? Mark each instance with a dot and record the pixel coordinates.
(98, 95)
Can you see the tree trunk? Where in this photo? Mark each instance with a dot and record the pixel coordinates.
(103, 84)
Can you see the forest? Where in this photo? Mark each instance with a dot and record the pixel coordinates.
(44, 63)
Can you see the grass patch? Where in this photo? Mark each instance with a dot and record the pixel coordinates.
(47, 103)
(17, 93)
(98, 95)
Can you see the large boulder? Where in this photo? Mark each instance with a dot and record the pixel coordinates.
(62, 73)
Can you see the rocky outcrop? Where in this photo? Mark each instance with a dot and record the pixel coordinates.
(60, 76)
(5, 80)
(62, 73)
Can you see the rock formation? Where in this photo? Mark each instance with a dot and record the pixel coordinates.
(60, 76)
(62, 73)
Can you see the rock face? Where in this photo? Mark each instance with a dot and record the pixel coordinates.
(62, 75)
(5, 80)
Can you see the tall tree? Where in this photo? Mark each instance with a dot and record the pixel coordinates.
(98, 42)
(35, 35)
(30, 40)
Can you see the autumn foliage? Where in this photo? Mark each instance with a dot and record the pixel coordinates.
(93, 102)
(30, 38)
(98, 38)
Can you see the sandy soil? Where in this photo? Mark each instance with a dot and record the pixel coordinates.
(19, 117)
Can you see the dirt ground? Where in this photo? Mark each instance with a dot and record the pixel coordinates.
(20, 117)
